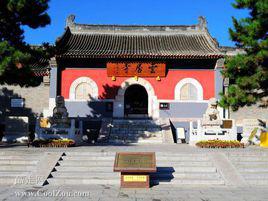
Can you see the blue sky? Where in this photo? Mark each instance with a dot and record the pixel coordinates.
(149, 12)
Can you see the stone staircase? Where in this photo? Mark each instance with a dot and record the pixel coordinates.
(16, 168)
(78, 168)
(135, 131)
(74, 167)
(253, 167)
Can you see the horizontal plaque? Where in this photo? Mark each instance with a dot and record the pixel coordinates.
(120, 69)
(135, 178)
(135, 162)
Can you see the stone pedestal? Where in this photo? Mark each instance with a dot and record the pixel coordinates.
(212, 127)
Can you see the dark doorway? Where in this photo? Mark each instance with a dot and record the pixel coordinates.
(136, 100)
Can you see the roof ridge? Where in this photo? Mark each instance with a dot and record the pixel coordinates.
(76, 27)
(136, 33)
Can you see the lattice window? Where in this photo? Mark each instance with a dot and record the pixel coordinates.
(188, 92)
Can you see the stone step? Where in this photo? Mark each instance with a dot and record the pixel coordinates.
(135, 135)
(161, 169)
(248, 159)
(14, 173)
(171, 154)
(191, 175)
(158, 158)
(88, 153)
(79, 181)
(17, 162)
(89, 158)
(17, 180)
(258, 182)
(13, 167)
(133, 132)
(133, 139)
(135, 122)
(158, 141)
(254, 170)
(132, 127)
(7, 180)
(83, 169)
(112, 175)
(191, 182)
(19, 157)
(250, 154)
(255, 176)
(125, 142)
(252, 165)
(135, 126)
(111, 163)
(86, 175)
(249, 163)
(187, 169)
(18, 153)
(176, 163)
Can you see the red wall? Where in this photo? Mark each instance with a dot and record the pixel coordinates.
(164, 89)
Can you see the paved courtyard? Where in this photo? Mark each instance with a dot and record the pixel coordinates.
(110, 193)
(233, 189)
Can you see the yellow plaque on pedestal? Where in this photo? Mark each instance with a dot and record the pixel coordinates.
(135, 178)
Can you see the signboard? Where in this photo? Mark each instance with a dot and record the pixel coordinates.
(135, 162)
(17, 102)
(120, 69)
(135, 168)
(164, 106)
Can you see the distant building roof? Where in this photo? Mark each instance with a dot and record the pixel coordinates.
(40, 63)
(131, 41)
(231, 51)
(41, 67)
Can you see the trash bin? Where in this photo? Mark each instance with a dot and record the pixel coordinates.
(264, 139)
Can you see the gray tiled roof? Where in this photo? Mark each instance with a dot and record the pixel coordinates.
(126, 41)
(41, 67)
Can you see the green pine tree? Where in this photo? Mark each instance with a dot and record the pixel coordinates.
(248, 73)
(16, 55)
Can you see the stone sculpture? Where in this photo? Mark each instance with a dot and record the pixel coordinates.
(212, 115)
(60, 125)
(60, 114)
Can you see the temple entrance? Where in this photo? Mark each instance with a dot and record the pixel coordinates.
(136, 101)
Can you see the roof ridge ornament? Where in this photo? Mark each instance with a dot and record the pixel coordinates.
(202, 23)
(70, 20)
